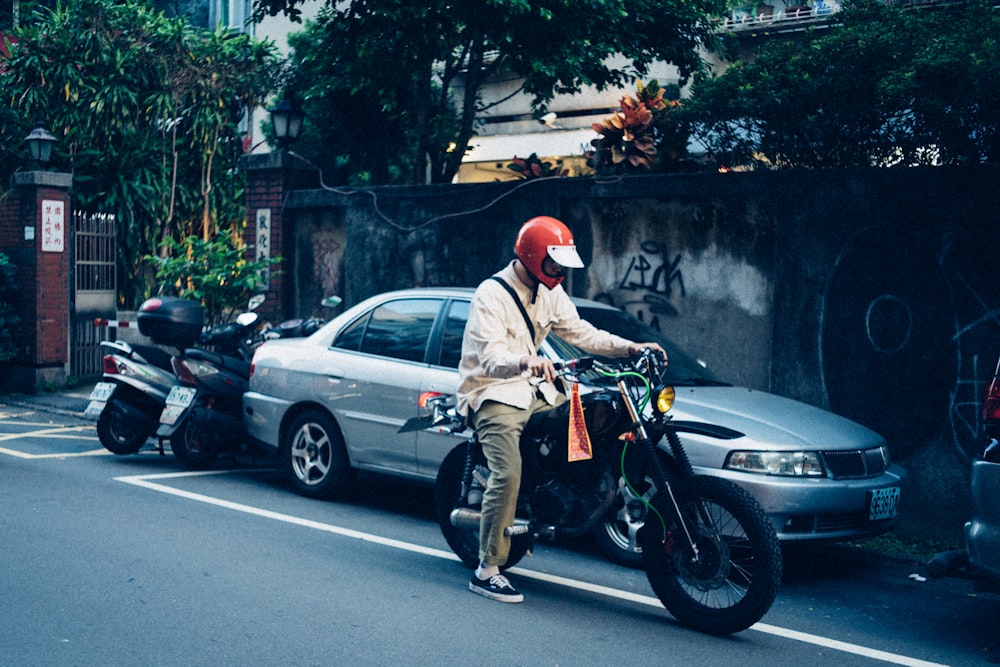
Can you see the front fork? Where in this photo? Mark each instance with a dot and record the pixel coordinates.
(660, 475)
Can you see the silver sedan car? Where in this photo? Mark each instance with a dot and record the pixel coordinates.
(335, 401)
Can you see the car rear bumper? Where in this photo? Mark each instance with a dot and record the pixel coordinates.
(262, 415)
(812, 509)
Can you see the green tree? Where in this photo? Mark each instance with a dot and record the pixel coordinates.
(214, 272)
(889, 85)
(406, 63)
(147, 111)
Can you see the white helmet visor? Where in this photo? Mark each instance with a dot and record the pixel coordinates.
(565, 255)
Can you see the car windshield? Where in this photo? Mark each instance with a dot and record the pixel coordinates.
(683, 369)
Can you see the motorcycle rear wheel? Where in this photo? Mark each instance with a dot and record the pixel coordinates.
(734, 579)
(192, 447)
(448, 496)
(119, 434)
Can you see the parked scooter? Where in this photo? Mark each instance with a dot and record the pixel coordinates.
(202, 416)
(138, 378)
(128, 402)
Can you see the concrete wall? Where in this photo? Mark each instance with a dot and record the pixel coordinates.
(871, 293)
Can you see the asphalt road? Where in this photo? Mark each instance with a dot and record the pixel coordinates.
(133, 561)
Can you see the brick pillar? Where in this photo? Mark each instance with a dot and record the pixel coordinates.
(270, 176)
(41, 250)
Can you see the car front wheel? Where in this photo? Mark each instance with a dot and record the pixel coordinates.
(315, 456)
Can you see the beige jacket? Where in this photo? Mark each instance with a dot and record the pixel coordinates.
(496, 337)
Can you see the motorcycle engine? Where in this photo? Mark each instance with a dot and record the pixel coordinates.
(553, 503)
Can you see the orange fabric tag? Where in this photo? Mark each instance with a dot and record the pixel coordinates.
(579, 439)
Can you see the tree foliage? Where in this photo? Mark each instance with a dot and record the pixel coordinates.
(394, 68)
(889, 85)
(213, 272)
(147, 111)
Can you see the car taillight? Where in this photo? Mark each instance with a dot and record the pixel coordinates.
(109, 365)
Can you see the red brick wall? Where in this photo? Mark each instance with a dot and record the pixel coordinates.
(270, 178)
(43, 278)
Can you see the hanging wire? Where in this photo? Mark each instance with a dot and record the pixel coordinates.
(438, 218)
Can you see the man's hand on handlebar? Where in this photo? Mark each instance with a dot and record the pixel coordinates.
(539, 367)
(635, 349)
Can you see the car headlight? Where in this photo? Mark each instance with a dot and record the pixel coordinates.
(790, 464)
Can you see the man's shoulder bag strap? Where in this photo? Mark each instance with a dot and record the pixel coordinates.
(520, 306)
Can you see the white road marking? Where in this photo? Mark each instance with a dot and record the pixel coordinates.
(50, 432)
(146, 481)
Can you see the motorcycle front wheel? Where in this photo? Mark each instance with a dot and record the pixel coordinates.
(119, 432)
(733, 578)
(458, 470)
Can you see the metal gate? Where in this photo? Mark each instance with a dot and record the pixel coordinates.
(94, 289)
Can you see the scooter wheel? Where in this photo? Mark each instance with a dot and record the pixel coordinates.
(119, 434)
(192, 447)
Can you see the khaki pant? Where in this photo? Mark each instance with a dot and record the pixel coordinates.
(499, 427)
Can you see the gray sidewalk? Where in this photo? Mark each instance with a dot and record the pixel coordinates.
(71, 401)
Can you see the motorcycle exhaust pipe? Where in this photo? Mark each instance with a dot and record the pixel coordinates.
(469, 519)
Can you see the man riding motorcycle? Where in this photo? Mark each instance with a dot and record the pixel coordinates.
(503, 380)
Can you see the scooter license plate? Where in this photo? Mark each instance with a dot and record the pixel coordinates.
(102, 391)
(99, 396)
(884, 503)
(178, 400)
(180, 396)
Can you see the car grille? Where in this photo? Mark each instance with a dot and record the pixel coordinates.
(855, 464)
(824, 524)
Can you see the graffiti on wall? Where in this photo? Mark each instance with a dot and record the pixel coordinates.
(908, 339)
(650, 281)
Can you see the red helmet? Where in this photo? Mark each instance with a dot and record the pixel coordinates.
(543, 237)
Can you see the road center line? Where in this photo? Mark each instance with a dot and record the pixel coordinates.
(147, 481)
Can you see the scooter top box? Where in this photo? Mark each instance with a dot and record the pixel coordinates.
(170, 320)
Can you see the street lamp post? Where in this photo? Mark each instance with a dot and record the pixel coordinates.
(286, 119)
(40, 142)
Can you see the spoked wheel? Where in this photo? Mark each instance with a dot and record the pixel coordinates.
(457, 470)
(732, 580)
(120, 432)
(315, 456)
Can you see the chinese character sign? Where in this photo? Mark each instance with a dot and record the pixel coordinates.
(263, 245)
(53, 225)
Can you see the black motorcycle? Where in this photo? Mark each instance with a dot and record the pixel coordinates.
(709, 550)
(203, 413)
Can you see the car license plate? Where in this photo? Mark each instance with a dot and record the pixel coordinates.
(178, 400)
(884, 503)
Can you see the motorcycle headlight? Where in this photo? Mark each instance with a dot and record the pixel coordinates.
(665, 399)
(790, 464)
